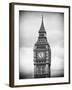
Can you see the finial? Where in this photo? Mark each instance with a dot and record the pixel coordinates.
(42, 16)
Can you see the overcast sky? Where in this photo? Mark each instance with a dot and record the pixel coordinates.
(29, 25)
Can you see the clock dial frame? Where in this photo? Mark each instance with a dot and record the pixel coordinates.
(41, 55)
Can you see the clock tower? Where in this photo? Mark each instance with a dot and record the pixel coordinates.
(42, 55)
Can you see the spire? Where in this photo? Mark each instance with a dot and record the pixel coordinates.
(42, 29)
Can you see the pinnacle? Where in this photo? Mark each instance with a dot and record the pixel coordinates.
(42, 29)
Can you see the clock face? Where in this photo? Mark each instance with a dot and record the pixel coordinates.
(41, 55)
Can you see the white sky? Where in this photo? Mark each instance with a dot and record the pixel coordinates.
(30, 23)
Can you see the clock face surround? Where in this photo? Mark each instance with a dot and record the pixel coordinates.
(41, 55)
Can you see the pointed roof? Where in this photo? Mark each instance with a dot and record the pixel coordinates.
(42, 29)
